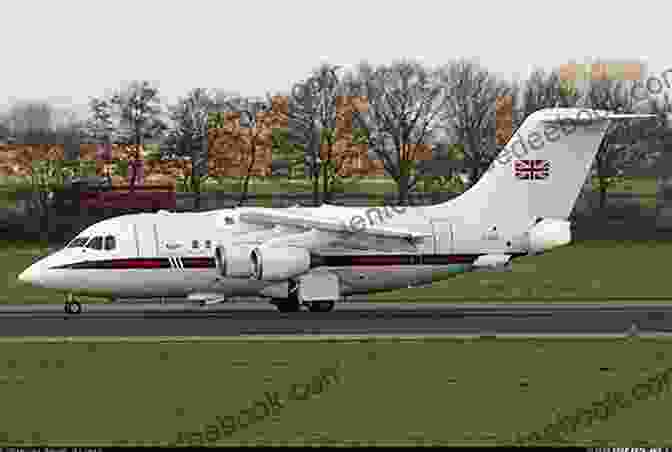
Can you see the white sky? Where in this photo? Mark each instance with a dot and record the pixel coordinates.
(69, 50)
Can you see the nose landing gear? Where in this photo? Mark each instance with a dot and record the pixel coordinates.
(71, 305)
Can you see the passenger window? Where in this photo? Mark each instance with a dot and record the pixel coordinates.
(194, 244)
(110, 243)
(95, 243)
(208, 243)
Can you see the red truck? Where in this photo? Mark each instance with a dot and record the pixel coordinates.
(98, 193)
(140, 198)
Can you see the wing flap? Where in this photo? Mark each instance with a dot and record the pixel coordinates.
(327, 224)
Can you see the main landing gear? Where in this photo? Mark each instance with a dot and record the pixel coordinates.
(71, 306)
(321, 306)
(289, 305)
(292, 304)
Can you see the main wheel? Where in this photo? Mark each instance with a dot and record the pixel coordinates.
(321, 306)
(73, 307)
(288, 306)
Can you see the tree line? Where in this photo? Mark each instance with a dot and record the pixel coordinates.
(392, 113)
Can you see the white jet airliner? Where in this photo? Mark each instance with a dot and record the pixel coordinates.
(315, 256)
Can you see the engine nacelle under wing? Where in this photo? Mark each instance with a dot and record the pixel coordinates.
(279, 263)
(233, 261)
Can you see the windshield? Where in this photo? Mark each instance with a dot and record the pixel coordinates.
(79, 241)
(95, 243)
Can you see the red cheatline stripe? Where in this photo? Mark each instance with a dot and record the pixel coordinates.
(379, 260)
(329, 261)
(127, 263)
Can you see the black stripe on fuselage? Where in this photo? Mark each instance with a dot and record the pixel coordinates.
(378, 260)
(391, 260)
(139, 263)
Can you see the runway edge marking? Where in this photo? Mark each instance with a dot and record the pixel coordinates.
(321, 338)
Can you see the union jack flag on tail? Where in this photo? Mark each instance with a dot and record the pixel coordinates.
(532, 169)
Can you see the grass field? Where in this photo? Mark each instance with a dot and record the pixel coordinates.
(375, 187)
(583, 271)
(646, 186)
(466, 391)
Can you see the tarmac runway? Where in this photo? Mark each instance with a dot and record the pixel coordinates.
(349, 318)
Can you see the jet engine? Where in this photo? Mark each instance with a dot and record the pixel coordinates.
(548, 234)
(279, 263)
(233, 261)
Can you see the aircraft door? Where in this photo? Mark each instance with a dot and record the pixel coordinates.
(443, 236)
(146, 238)
(469, 239)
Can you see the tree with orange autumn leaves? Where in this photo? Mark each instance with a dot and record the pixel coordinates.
(42, 165)
(240, 142)
(321, 115)
(503, 119)
(340, 145)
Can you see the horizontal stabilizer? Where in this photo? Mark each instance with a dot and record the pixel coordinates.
(584, 115)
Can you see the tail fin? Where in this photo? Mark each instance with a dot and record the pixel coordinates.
(540, 171)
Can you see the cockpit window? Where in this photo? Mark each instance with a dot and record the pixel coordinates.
(228, 220)
(95, 243)
(110, 243)
(78, 241)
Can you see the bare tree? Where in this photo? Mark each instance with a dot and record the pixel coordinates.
(5, 130)
(406, 108)
(32, 122)
(140, 111)
(70, 134)
(547, 90)
(189, 135)
(473, 92)
(303, 131)
(312, 121)
(100, 126)
(659, 135)
(617, 151)
(326, 90)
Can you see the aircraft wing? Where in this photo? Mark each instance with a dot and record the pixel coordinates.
(272, 217)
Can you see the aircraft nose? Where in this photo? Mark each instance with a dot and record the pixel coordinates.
(31, 275)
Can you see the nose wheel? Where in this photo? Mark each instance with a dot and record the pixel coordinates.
(71, 305)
